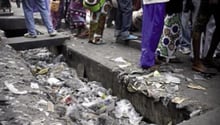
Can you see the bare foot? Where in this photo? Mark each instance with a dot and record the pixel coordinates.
(199, 67)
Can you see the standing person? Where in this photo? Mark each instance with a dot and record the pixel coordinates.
(171, 35)
(111, 17)
(57, 16)
(18, 3)
(152, 27)
(5, 4)
(29, 7)
(207, 8)
(188, 17)
(124, 20)
(76, 17)
(99, 10)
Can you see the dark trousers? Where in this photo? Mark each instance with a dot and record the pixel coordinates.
(124, 17)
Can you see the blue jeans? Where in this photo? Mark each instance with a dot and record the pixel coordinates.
(123, 17)
(188, 20)
(28, 8)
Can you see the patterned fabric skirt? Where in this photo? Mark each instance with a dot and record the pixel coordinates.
(170, 37)
(76, 15)
(57, 16)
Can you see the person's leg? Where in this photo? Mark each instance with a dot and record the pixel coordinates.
(93, 26)
(210, 28)
(18, 2)
(200, 24)
(196, 47)
(170, 38)
(153, 21)
(186, 25)
(60, 15)
(29, 18)
(100, 28)
(45, 15)
(111, 17)
(66, 7)
(125, 7)
(102, 19)
(6, 4)
(118, 20)
(215, 38)
(195, 11)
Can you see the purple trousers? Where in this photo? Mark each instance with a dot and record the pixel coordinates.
(152, 27)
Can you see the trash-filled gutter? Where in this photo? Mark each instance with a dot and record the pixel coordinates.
(52, 94)
(162, 111)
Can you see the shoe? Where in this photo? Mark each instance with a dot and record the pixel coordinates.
(28, 35)
(54, 33)
(185, 50)
(129, 37)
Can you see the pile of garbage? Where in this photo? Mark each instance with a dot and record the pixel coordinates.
(54, 95)
(163, 84)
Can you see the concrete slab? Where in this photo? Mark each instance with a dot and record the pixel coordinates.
(209, 118)
(22, 43)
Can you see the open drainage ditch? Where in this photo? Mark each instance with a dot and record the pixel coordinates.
(88, 103)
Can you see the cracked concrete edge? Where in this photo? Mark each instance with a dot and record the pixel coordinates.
(209, 118)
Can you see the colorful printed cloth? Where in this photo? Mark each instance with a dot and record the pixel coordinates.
(97, 23)
(57, 16)
(170, 37)
(76, 15)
